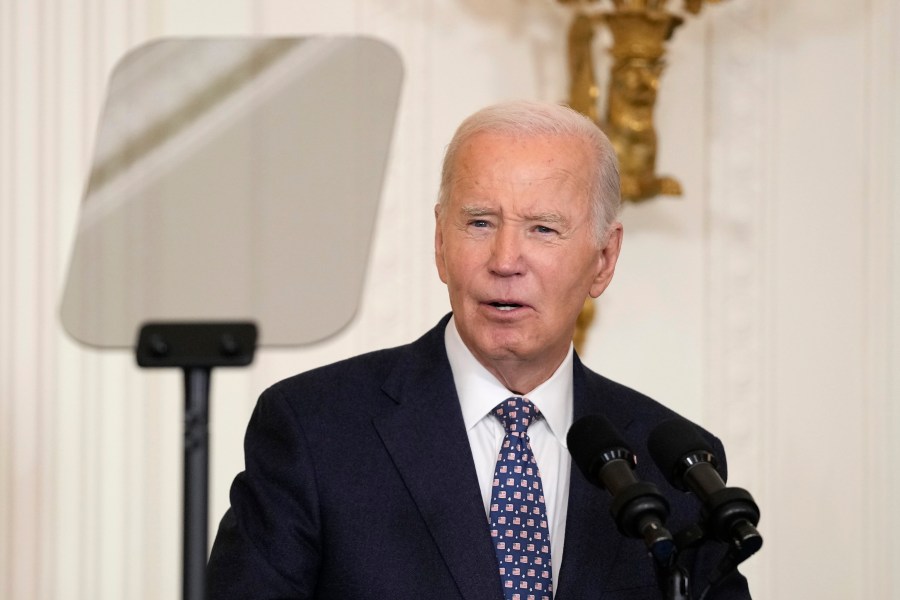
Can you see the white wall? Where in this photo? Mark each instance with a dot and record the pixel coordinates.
(764, 303)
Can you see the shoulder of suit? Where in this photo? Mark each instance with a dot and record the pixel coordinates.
(620, 397)
(361, 376)
(651, 412)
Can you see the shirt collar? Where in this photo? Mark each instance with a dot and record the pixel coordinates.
(479, 391)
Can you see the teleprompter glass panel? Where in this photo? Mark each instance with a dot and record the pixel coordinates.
(233, 179)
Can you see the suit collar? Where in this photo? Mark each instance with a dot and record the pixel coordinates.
(592, 541)
(425, 437)
(480, 391)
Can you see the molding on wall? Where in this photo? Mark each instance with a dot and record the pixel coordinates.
(882, 135)
(736, 225)
(737, 221)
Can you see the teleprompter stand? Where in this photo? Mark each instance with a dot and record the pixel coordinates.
(223, 167)
(196, 348)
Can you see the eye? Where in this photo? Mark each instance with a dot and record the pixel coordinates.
(479, 223)
(543, 229)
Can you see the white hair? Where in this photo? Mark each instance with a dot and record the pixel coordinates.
(523, 118)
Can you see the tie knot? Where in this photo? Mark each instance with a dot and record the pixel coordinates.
(517, 414)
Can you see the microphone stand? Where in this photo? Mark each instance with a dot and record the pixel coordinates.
(674, 583)
(672, 576)
(641, 509)
(731, 517)
(732, 508)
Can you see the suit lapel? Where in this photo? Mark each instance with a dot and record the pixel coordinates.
(427, 441)
(592, 541)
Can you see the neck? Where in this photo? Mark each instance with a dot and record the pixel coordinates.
(522, 376)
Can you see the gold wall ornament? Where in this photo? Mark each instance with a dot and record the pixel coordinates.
(639, 29)
(583, 89)
(638, 37)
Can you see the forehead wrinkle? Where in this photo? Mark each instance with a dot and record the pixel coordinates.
(564, 183)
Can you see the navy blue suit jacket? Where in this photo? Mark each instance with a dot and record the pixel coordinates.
(360, 484)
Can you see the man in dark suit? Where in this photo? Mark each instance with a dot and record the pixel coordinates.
(412, 473)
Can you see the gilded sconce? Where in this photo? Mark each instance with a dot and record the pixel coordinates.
(640, 30)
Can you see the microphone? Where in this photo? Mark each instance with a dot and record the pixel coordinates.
(687, 461)
(638, 508)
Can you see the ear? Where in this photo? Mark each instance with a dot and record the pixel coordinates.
(439, 244)
(606, 262)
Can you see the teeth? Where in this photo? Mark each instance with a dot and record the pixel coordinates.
(502, 306)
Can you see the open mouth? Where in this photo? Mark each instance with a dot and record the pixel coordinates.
(505, 305)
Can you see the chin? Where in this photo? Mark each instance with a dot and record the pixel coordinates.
(507, 348)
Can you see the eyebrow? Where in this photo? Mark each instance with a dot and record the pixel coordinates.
(547, 217)
(476, 211)
(473, 211)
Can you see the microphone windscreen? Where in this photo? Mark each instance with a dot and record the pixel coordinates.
(670, 442)
(589, 439)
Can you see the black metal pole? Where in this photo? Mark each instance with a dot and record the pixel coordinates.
(196, 347)
(675, 584)
(196, 480)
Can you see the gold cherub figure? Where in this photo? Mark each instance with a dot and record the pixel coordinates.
(639, 30)
(638, 49)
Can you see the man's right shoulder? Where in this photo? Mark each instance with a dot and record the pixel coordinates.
(364, 365)
(360, 375)
(362, 379)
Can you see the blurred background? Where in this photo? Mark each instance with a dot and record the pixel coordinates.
(764, 303)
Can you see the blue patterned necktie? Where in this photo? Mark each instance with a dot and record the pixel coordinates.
(518, 515)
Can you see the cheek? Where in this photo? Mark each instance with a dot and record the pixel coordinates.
(461, 259)
(441, 267)
(452, 269)
(449, 261)
(570, 284)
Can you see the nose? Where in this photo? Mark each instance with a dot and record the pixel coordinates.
(506, 253)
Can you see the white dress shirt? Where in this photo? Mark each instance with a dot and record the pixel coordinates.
(479, 392)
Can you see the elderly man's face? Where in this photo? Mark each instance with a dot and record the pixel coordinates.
(517, 248)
